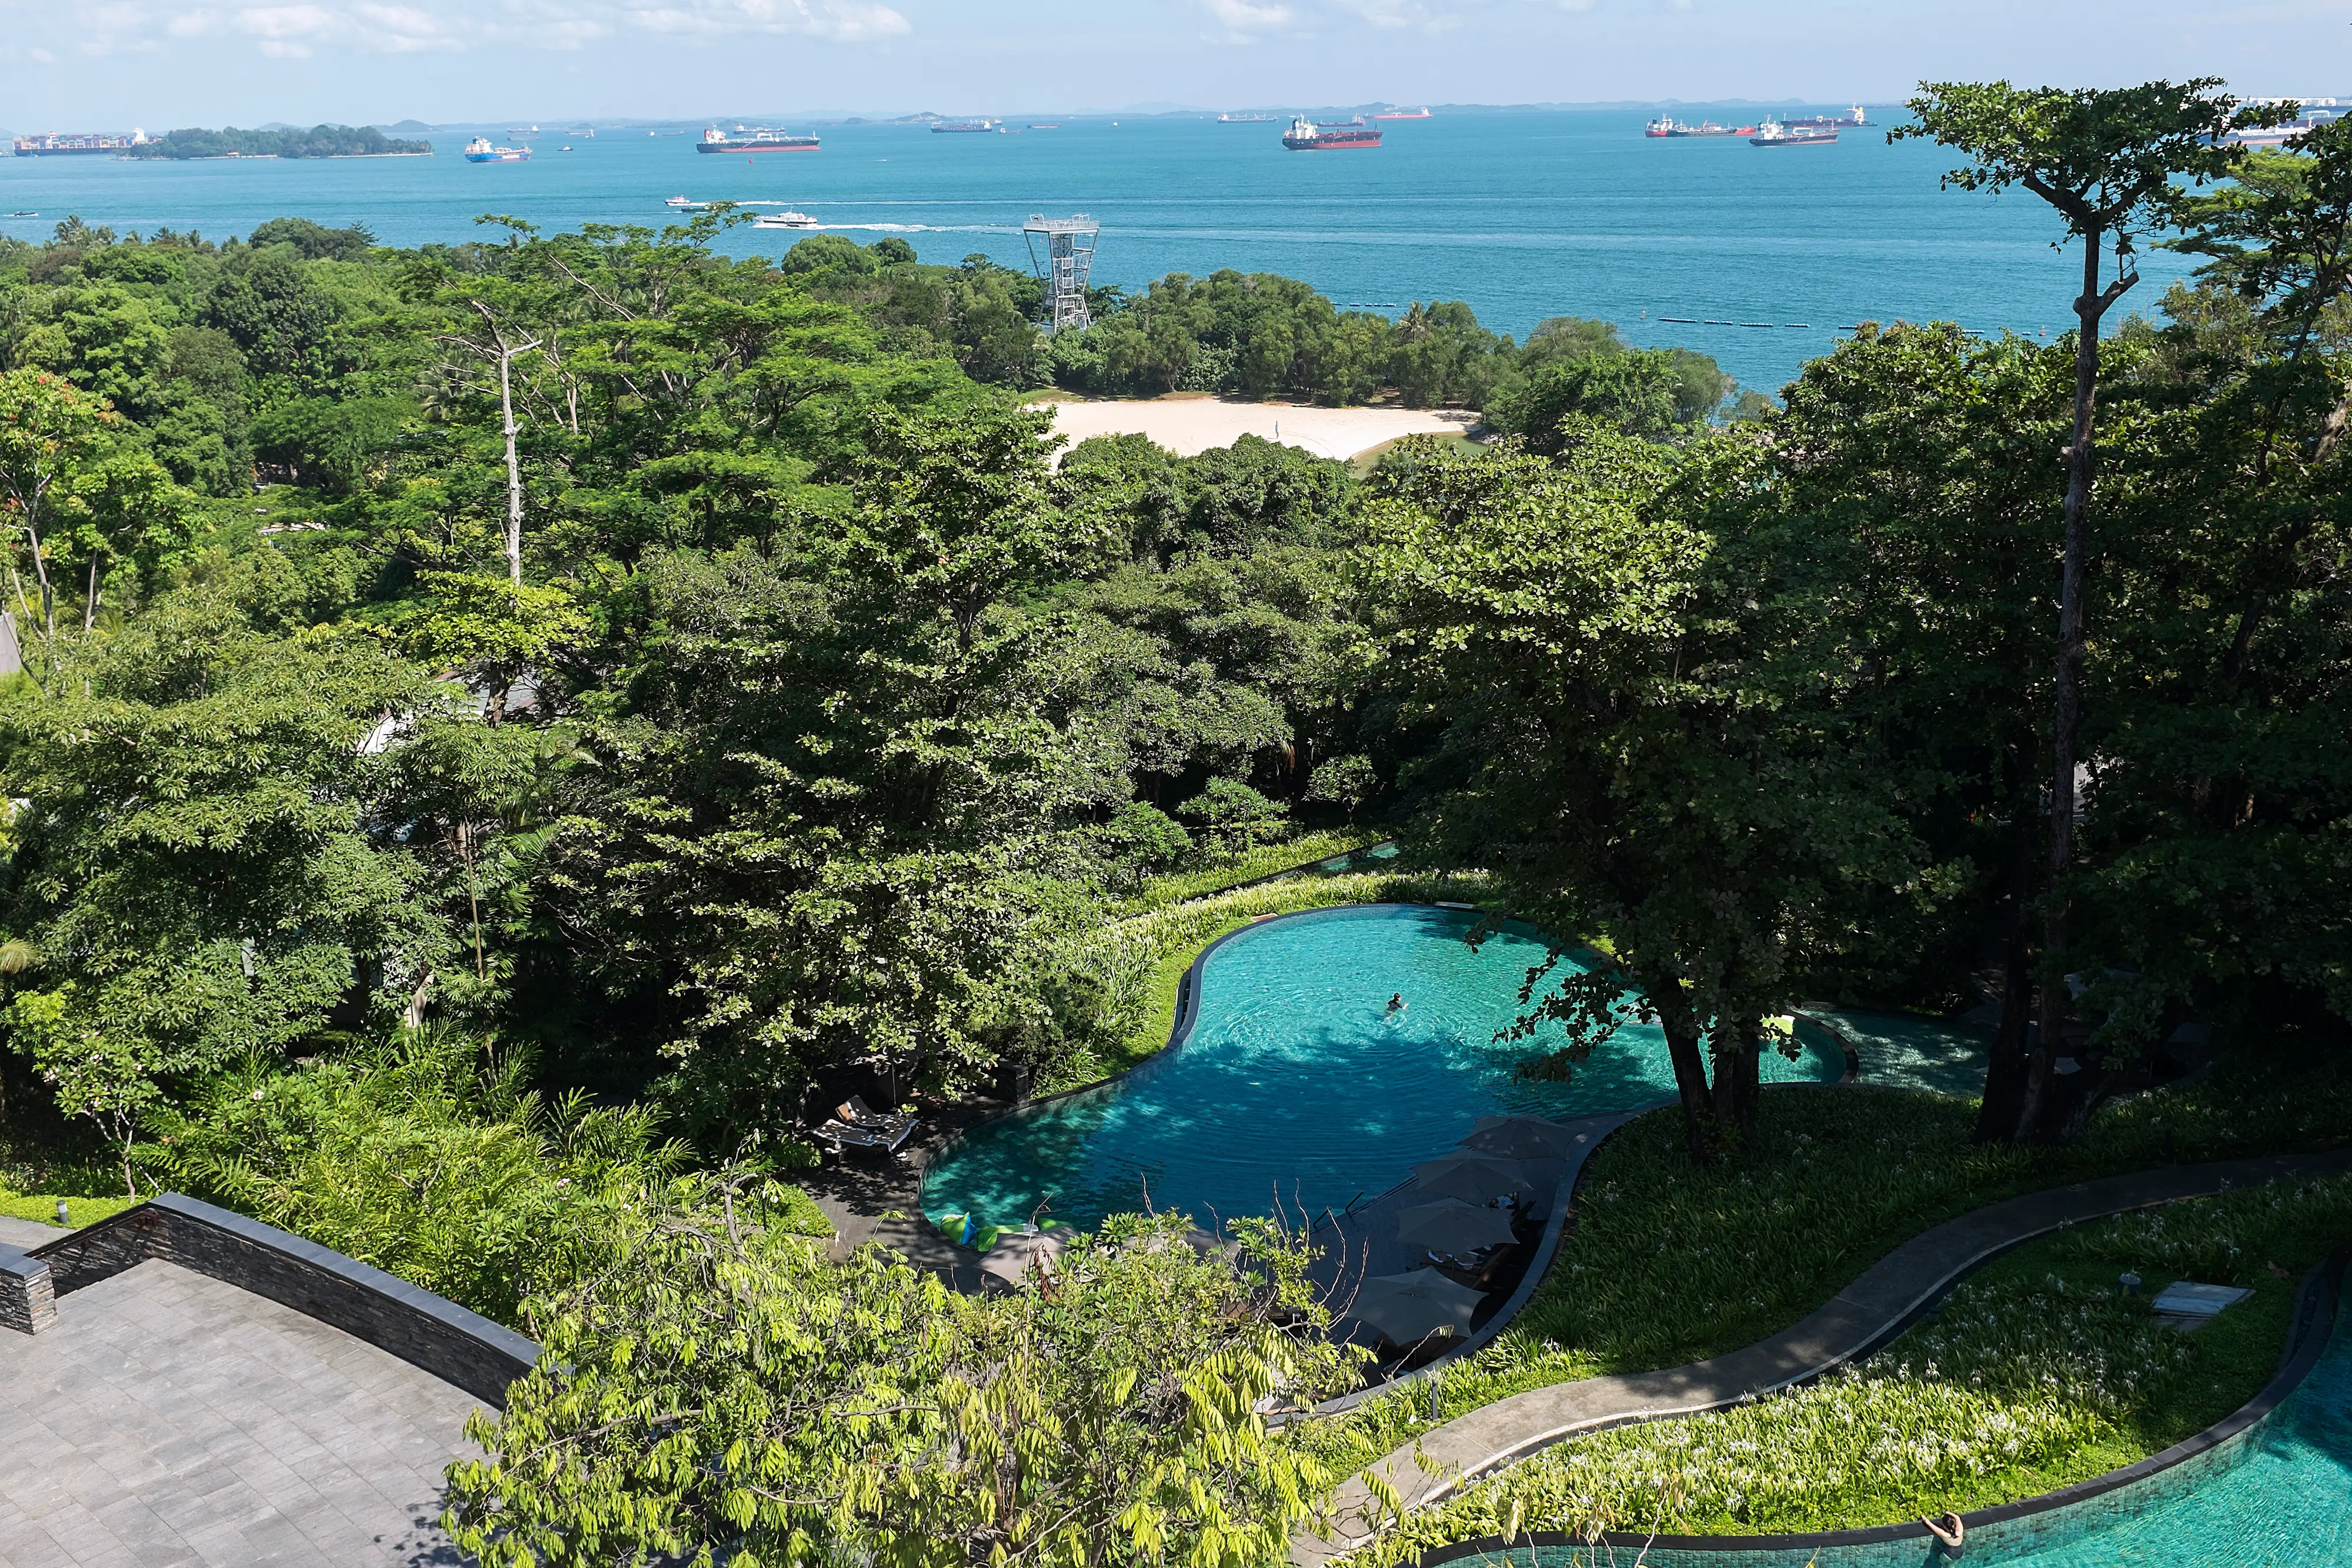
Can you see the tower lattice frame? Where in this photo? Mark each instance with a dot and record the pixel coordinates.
(1068, 257)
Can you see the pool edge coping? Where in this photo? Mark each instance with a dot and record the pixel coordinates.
(1180, 1029)
(2317, 1306)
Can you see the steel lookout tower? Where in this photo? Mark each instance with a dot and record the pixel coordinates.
(1069, 254)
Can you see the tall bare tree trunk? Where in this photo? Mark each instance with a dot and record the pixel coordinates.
(514, 464)
(2005, 1071)
(1689, 1060)
(89, 600)
(2041, 1107)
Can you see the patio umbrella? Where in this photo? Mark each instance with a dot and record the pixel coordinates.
(1481, 1178)
(1451, 1224)
(1018, 1255)
(1408, 1307)
(1520, 1138)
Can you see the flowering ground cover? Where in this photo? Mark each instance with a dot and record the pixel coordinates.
(2034, 1374)
(1670, 1263)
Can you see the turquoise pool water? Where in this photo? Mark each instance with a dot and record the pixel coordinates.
(2279, 1497)
(1296, 1079)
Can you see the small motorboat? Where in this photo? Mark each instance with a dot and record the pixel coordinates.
(685, 204)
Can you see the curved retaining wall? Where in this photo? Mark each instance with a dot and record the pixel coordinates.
(2034, 1525)
(427, 1330)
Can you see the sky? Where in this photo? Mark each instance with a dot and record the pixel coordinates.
(112, 64)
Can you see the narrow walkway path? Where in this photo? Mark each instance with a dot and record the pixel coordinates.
(1857, 1320)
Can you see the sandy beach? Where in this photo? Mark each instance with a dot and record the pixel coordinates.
(1188, 427)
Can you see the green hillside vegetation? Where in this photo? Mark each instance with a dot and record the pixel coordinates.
(512, 730)
(318, 141)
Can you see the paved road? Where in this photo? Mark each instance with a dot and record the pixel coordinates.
(1855, 1321)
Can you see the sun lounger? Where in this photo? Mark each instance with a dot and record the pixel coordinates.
(885, 1136)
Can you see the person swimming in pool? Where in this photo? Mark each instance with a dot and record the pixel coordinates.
(1396, 1002)
(1952, 1534)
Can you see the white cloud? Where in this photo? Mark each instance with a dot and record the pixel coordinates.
(853, 23)
(1245, 18)
(300, 29)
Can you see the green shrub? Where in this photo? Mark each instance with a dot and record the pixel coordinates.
(428, 1157)
(2035, 1374)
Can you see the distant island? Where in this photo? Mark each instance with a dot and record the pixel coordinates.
(318, 141)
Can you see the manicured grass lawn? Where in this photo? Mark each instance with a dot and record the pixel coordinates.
(1265, 859)
(43, 1207)
(1670, 1263)
(2034, 1374)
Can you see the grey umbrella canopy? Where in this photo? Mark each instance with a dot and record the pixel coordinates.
(1016, 1258)
(1407, 1307)
(1520, 1138)
(1451, 1224)
(1481, 1178)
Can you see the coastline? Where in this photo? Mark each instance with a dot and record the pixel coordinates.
(267, 157)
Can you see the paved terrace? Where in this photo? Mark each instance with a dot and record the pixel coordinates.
(168, 1417)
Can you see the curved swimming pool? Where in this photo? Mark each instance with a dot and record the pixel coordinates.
(1295, 1077)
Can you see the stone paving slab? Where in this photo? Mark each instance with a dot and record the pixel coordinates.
(28, 1233)
(169, 1419)
(1856, 1321)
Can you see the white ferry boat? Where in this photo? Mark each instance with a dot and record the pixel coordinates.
(787, 219)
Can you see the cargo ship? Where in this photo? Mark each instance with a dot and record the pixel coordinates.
(480, 150)
(2316, 112)
(958, 126)
(1245, 120)
(1404, 114)
(1306, 135)
(741, 141)
(1772, 133)
(56, 146)
(1846, 121)
(1704, 128)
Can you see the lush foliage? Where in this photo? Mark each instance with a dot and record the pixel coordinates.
(429, 1157)
(2031, 1377)
(1669, 1263)
(1257, 335)
(318, 141)
(721, 1393)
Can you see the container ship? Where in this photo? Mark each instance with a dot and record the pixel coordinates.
(959, 127)
(1667, 126)
(480, 150)
(1404, 114)
(54, 145)
(1846, 121)
(1306, 135)
(2316, 112)
(741, 141)
(1245, 120)
(1772, 133)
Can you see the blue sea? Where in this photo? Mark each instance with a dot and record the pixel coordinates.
(1760, 256)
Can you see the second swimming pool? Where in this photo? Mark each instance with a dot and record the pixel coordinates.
(1296, 1079)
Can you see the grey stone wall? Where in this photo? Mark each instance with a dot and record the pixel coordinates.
(29, 1300)
(424, 1330)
